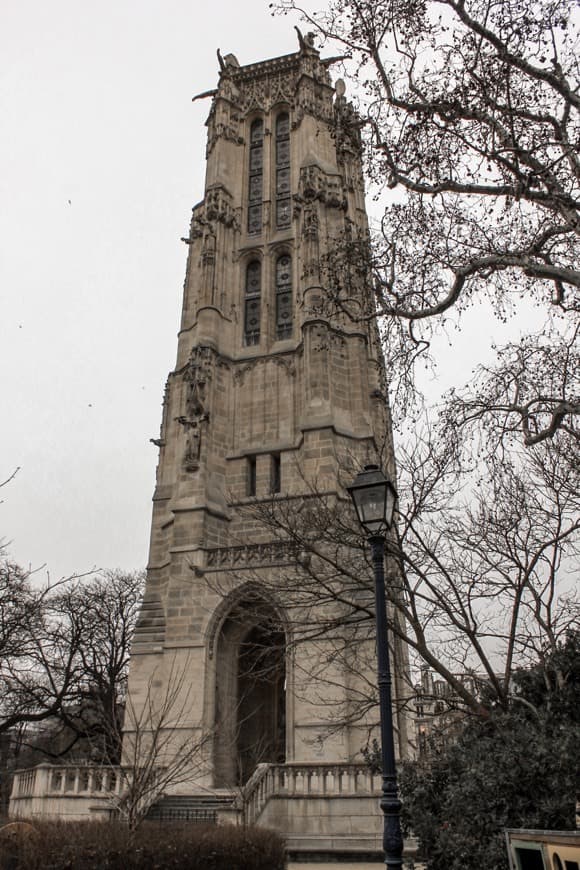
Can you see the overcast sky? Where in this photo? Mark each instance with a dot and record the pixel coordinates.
(101, 160)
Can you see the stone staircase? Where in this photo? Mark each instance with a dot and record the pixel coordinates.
(202, 809)
(149, 633)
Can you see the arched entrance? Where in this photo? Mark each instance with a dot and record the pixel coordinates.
(250, 708)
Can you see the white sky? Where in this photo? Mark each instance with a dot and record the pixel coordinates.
(95, 108)
(101, 160)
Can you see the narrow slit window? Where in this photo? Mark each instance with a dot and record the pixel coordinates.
(275, 473)
(283, 297)
(251, 478)
(252, 302)
(255, 194)
(283, 206)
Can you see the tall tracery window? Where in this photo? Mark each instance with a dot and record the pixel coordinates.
(252, 302)
(283, 297)
(256, 176)
(283, 171)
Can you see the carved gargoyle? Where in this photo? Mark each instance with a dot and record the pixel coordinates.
(306, 43)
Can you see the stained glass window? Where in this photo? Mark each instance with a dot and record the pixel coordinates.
(252, 303)
(283, 297)
(256, 177)
(283, 171)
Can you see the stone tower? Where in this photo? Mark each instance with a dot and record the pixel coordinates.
(268, 395)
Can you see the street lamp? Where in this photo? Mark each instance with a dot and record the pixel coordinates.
(374, 499)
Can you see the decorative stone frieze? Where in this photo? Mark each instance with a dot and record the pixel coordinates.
(252, 555)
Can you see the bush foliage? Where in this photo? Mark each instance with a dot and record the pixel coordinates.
(517, 769)
(110, 846)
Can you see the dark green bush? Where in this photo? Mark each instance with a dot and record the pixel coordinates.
(110, 846)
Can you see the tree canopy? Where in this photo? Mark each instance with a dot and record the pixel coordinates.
(517, 769)
(469, 111)
(64, 656)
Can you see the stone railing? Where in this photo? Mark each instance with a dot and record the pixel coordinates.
(76, 791)
(295, 780)
(66, 790)
(71, 791)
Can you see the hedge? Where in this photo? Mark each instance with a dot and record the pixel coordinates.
(167, 846)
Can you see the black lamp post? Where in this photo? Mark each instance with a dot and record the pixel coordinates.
(374, 499)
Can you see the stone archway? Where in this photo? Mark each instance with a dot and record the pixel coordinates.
(250, 691)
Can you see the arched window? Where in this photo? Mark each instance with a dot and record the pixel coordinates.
(256, 177)
(283, 171)
(283, 297)
(252, 302)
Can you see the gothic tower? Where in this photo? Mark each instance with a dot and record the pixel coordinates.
(268, 395)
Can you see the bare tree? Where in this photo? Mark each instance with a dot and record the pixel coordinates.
(488, 559)
(469, 111)
(481, 569)
(101, 612)
(34, 684)
(532, 388)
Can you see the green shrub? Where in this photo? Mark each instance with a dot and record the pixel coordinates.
(110, 846)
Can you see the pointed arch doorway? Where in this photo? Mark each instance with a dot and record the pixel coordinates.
(250, 691)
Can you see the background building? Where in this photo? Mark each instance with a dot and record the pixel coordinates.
(439, 714)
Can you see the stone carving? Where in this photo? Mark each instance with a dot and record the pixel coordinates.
(347, 127)
(208, 252)
(312, 97)
(310, 223)
(228, 62)
(193, 445)
(306, 43)
(262, 94)
(228, 89)
(223, 131)
(253, 555)
(315, 184)
(197, 224)
(311, 183)
(224, 116)
(216, 208)
(259, 90)
(197, 376)
(311, 251)
(166, 389)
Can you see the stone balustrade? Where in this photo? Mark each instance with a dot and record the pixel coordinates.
(51, 791)
(314, 780)
(93, 791)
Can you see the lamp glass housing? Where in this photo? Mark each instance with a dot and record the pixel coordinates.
(374, 498)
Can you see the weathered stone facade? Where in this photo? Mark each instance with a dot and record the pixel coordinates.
(268, 393)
